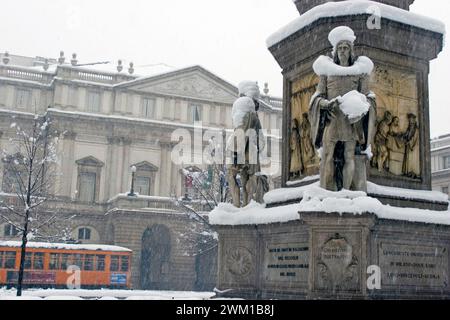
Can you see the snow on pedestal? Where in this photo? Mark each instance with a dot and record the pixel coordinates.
(355, 7)
(316, 199)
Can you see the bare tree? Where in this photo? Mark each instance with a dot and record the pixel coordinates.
(30, 172)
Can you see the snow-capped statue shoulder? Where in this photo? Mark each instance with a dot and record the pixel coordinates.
(325, 66)
(241, 107)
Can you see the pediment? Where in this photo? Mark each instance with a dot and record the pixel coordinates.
(146, 166)
(195, 83)
(90, 161)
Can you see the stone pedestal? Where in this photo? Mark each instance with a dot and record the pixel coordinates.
(401, 54)
(332, 256)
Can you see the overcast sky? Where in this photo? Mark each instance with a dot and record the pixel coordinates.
(226, 37)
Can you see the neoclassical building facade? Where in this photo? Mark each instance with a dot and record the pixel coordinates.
(110, 121)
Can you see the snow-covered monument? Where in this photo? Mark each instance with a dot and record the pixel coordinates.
(356, 217)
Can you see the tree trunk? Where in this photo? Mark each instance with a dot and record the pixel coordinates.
(22, 254)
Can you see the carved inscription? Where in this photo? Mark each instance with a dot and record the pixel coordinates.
(287, 262)
(408, 265)
(337, 265)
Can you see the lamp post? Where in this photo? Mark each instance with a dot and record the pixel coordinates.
(133, 172)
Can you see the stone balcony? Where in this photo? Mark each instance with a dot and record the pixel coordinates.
(27, 74)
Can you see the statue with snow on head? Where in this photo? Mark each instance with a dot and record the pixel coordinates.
(343, 114)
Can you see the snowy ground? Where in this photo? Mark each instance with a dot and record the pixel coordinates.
(103, 294)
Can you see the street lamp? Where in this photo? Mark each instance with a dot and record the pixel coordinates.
(133, 172)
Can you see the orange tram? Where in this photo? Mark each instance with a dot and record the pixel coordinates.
(59, 265)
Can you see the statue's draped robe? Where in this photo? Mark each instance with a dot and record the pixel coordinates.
(326, 128)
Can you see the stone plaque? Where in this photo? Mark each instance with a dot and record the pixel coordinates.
(286, 262)
(337, 264)
(413, 265)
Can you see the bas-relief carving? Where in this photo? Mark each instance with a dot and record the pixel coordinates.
(193, 86)
(303, 160)
(239, 261)
(337, 266)
(396, 145)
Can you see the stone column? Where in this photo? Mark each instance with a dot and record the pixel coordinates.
(65, 178)
(165, 173)
(125, 182)
(111, 169)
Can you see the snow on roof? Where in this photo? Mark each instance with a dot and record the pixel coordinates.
(64, 246)
(355, 7)
(316, 199)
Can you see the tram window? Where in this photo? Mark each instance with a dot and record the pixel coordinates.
(114, 263)
(64, 260)
(28, 258)
(10, 259)
(78, 260)
(88, 262)
(38, 261)
(100, 261)
(124, 264)
(1, 259)
(54, 261)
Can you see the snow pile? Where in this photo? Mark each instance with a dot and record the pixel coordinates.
(351, 8)
(254, 213)
(316, 199)
(103, 294)
(325, 66)
(341, 33)
(241, 107)
(287, 194)
(320, 200)
(64, 246)
(354, 105)
(433, 196)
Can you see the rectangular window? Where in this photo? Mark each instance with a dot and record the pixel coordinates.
(114, 263)
(23, 98)
(54, 261)
(9, 259)
(447, 162)
(10, 231)
(38, 261)
(100, 263)
(124, 264)
(148, 108)
(93, 101)
(196, 113)
(445, 190)
(84, 234)
(87, 187)
(88, 262)
(142, 185)
(64, 261)
(73, 96)
(28, 260)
